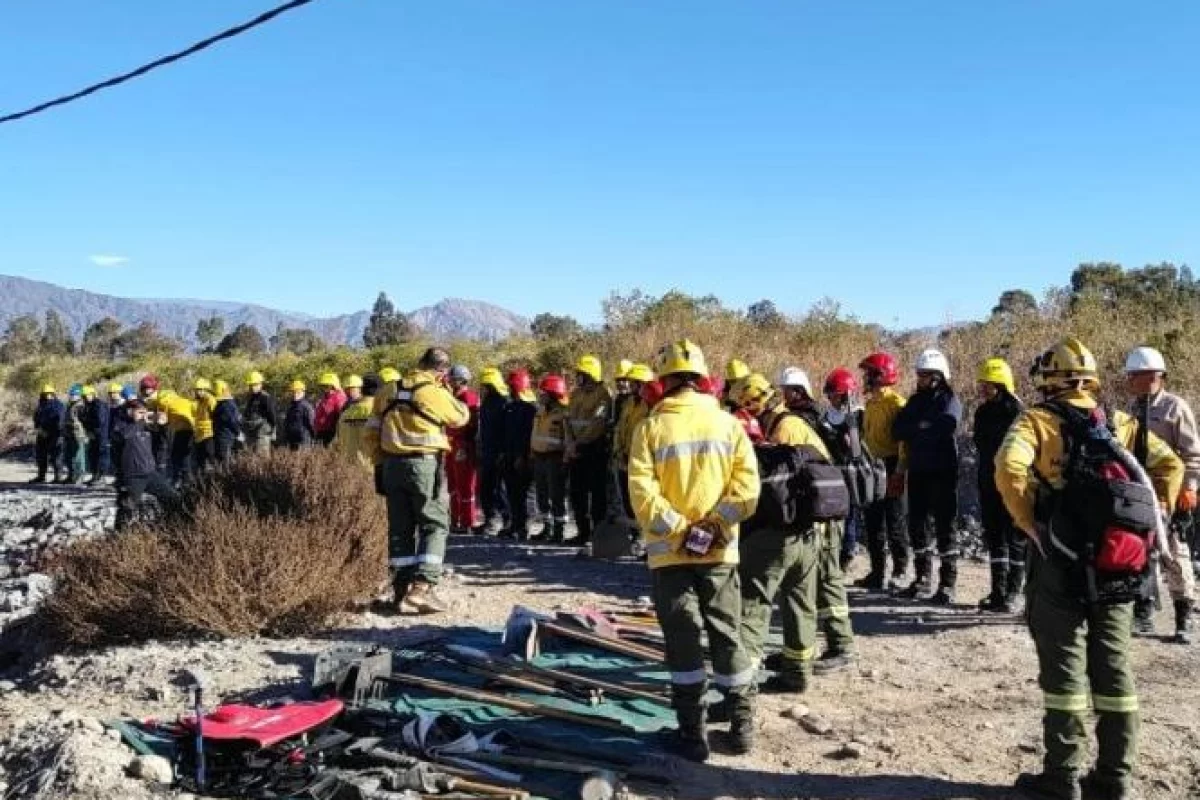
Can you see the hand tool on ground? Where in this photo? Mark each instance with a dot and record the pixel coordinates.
(514, 674)
(650, 694)
(371, 750)
(505, 757)
(197, 680)
(522, 635)
(594, 621)
(598, 784)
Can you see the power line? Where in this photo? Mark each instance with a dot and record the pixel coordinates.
(237, 30)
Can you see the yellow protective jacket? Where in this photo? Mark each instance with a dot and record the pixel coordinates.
(587, 419)
(632, 413)
(690, 461)
(878, 415)
(179, 410)
(1035, 442)
(202, 414)
(413, 417)
(350, 440)
(549, 430)
(782, 426)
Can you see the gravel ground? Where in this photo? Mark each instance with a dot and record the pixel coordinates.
(942, 704)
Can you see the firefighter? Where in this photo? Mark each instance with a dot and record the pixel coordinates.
(844, 417)
(493, 401)
(48, 421)
(75, 436)
(259, 418)
(298, 420)
(328, 408)
(204, 451)
(227, 422)
(1169, 417)
(927, 425)
(886, 532)
(632, 413)
(1006, 545)
(406, 437)
(96, 421)
(517, 460)
(546, 444)
(157, 421)
(1082, 646)
(462, 474)
(352, 422)
(692, 478)
(585, 452)
(736, 371)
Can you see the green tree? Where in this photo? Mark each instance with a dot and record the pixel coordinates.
(22, 339)
(1014, 302)
(552, 327)
(764, 314)
(244, 339)
(145, 340)
(298, 341)
(100, 336)
(56, 339)
(386, 325)
(209, 332)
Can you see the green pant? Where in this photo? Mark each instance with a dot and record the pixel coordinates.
(692, 600)
(418, 518)
(780, 563)
(833, 610)
(1083, 650)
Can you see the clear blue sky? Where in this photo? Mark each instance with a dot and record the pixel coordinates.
(912, 158)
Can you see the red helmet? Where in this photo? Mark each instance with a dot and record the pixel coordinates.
(518, 381)
(554, 385)
(883, 365)
(841, 381)
(149, 383)
(652, 393)
(750, 425)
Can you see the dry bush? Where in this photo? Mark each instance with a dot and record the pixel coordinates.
(16, 423)
(266, 545)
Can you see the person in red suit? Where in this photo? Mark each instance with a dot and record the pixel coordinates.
(462, 472)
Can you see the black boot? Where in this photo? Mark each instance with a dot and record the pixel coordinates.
(917, 588)
(873, 582)
(690, 741)
(741, 725)
(1143, 617)
(1096, 787)
(1044, 786)
(1183, 622)
(944, 596)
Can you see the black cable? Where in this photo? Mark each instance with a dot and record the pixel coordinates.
(153, 65)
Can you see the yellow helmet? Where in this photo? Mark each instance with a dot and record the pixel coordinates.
(221, 390)
(389, 375)
(590, 365)
(1068, 362)
(254, 377)
(353, 382)
(48, 388)
(329, 379)
(202, 385)
(997, 370)
(736, 370)
(494, 378)
(297, 385)
(623, 367)
(115, 388)
(89, 391)
(640, 373)
(753, 392)
(681, 358)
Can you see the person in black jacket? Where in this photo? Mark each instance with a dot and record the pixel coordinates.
(95, 422)
(1006, 544)
(48, 422)
(492, 406)
(259, 419)
(517, 460)
(927, 425)
(227, 422)
(298, 424)
(137, 472)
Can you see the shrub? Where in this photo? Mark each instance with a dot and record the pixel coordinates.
(265, 545)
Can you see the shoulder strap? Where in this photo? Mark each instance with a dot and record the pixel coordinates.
(1141, 440)
(406, 398)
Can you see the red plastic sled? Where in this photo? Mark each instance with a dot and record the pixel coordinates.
(264, 726)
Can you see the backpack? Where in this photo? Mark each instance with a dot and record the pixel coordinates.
(1104, 520)
(865, 475)
(406, 399)
(799, 488)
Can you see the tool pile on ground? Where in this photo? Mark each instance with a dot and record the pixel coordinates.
(564, 707)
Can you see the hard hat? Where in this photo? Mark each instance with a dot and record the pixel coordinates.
(202, 385)
(1145, 359)
(460, 373)
(149, 383)
(128, 392)
(590, 365)
(883, 367)
(76, 390)
(753, 392)
(48, 388)
(115, 388)
(841, 381)
(518, 381)
(297, 386)
(221, 390)
(640, 373)
(89, 391)
(554, 385)
(623, 367)
(330, 380)
(354, 382)
(1069, 361)
(795, 378)
(389, 375)
(681, 358)
(254, 377)
(997, 370)
(934, 361)
(736, 370)
(492, 377)
(651, 393)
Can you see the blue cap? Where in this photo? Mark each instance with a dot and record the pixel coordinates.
(76, 389)
(128, 392)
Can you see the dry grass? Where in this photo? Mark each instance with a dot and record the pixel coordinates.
(273, 546)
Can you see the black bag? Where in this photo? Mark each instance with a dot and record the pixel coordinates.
(865, 475)
(1103, 521)
(799, 488)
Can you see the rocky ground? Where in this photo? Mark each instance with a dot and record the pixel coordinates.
(942, 704)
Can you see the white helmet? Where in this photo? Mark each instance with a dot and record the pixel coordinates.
(934, 361)
(794, 377)
(1145, 359)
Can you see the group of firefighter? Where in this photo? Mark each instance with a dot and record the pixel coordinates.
(697, 462)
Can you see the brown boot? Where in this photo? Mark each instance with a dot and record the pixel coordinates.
(421, 599)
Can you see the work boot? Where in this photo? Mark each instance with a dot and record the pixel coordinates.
(995, 603)
(691, 744)
(785, 683)
(38, 479)
(1044, 786)
(1095, 787)
(1183, 622)
(915, 589)
(873, 582)
(1143, 618)
(833, 661)
(556, 533)
(421, 599)
(944, 596)
(741, 727)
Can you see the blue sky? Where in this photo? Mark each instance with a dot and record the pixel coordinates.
(912, 159)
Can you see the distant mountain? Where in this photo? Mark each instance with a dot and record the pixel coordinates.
(449, 319)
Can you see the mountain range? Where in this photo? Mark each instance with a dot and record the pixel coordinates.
(448, 319)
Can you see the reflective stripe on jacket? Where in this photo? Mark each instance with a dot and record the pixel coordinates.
(412, 417)
(689, 462)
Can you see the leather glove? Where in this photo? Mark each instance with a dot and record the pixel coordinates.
(895, 484)
(1187, 500)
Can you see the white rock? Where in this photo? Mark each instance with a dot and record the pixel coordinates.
(7, 686)
(796, 712)
(152, 769)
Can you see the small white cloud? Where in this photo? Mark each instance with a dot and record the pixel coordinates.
(108, 261)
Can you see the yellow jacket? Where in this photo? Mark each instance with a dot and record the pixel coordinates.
(401, 430)
(587, 419)
(878, 415)
(549, 430)
(691, 462)
(787, 427)
(179, 411)
(351, 432)
(632, 414)
(1034, 442)
(202, 411)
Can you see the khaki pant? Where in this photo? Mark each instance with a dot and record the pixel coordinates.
(833, 609)
(418, 518)
(1176, 566)
(784, 564)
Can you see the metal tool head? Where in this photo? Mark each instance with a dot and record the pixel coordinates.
(521, 633)
(351, 673)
